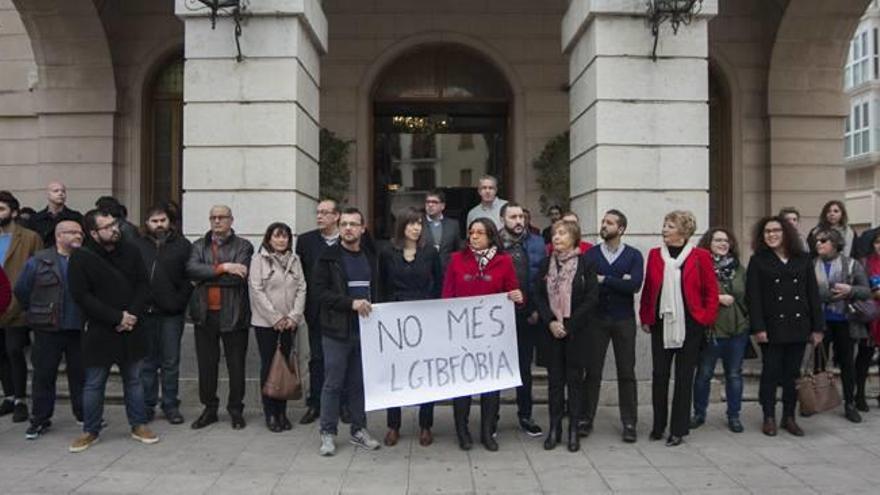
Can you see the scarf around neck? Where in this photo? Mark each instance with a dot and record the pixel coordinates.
(483, 257)
(672, 309)
(826, 280)
(725, 267)
(560, 281)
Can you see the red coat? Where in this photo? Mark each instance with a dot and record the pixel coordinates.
(700, 287)
(5, 291)
(462, 276)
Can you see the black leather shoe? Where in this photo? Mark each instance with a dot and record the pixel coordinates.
(584, 428)
(208, 417)
(465, 442)
(849, 411)
(629, 433)
(656, 435)
(554, 433)
(310, 416)
(7, 406)
(862, 404)
(490, 443)
(272, 424)
(20, 413)
(735, 425)
(674, 441)
(174, 417)
(237, 420)
(286, 425)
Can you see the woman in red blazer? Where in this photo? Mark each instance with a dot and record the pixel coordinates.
(478, 270)
(679, 300)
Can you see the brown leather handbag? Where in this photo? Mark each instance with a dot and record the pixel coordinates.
(284, 381)
(817, 391)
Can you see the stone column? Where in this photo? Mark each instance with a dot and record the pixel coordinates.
(639, 128)
(251, 127)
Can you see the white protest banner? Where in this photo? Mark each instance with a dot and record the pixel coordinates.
(424, 351)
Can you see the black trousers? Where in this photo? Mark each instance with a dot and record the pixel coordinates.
(13, 364)
(267, 342)
(208, 338)
(844, 352)
(316, 364)
(489, 405)
(781, 366)
(622, 335)
(46, 355)
(686, 359)
(863, 364)
(525, 341)
(562, 374)
(426, 416)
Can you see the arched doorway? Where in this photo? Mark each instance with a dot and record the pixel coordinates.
(441, 120)
(720, 152)
(162, 171)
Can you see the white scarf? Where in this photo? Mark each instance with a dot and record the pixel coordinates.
(672, 309)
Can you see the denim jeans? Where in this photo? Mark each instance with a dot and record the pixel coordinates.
(163, 337)
(93, 395)
(731, 351)
(343, 373)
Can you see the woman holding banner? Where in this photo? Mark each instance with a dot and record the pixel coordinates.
(410, 271)
(679, 301)
(567, 293)
(480, 269)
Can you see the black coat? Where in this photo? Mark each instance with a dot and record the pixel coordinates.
(235, 310)
(584, 296)
(331, 289)
(410, 281)
(165, 263)
(43, 223)
(309, 246)
(783, 298)
(104, 284)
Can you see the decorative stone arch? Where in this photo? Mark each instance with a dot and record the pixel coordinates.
(74, 97)
(362, 170)
(806, 104)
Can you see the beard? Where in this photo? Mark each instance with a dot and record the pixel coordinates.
(605, 235)
(4, 222)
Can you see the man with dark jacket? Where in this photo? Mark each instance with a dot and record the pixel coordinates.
(309, 247)
(165, 254)
(620, 270)
(44, 294)
(108, 282)
(220, 309)
(527, 251)
(44, 221)
(17, 245)
(346, 281)
(441, 232)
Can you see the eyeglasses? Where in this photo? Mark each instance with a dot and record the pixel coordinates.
(432, 201)
(773, 231)
(219, 218)
(822, 240)
(112, 225)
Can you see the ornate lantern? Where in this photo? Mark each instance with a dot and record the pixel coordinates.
(676, 12)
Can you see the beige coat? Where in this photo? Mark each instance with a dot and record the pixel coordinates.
(22, 245)
(276, 291)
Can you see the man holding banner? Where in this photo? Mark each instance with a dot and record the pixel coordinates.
(345, 282)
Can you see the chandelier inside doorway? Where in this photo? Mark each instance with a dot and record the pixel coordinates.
(431, 124)
(676, 12)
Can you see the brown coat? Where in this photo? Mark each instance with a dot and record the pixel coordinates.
(23, 244)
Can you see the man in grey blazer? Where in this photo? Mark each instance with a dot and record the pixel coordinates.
(441, 232)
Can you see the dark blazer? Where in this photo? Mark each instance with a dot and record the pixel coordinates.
(783, 298)
(165, 263)
(331, 288)
(450, 240)
(584, 297)
(104, 284)
(309, 246)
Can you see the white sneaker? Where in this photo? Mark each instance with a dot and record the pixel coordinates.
(362, 438)
(328, 445)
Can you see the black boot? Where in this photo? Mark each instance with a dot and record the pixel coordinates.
(554, 434)
(574, 440)
(460, 415)
(487, 428)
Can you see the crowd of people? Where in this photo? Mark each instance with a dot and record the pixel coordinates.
(97, 291)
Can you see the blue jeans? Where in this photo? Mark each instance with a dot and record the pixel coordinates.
(731, 351)
(93, 396)
(163, 337)
(343, 373)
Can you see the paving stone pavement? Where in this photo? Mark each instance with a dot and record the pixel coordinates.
(834, 457)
